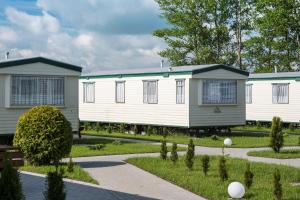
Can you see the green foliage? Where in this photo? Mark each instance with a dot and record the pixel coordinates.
(248, 176)
(258, 125)
(292, 127)
(117, 142)
(223, 169)
(122, 128)
(136, 129)
(277, 185)
(165, 132)
(205, 164)
(70, 165)
(10, 185)
(299, 140)
(214, 137)
(174, 155)
(44, 135)
(163, 150)
(109, 129)
(276, 135)
(86, 126)
(98, 127)
(189, 157)
(149, 130)
(55, 186)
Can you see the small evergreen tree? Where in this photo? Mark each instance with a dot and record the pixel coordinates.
(70, 165)
(248, 176)
(258, 125)
(149, 130)
(174, 155)
(122, 128)
(165, 132)
(277, 185)
(163, 150)
(276, 135)
(205, 164)
(86, 126)
(55, 186)
(98, 127)
(109, 128)
(10, 185)
(292, 127)
(135, 129)
(222, 169)
(299, 140)
(189, 157)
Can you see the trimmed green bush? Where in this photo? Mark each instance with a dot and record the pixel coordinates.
(44, 135)
(70, 165)
(86, 126)
(258, 125)
(222, 169)
(174, 154)
(10, 185)
(164, 150)
(214, 137)
(205, 164)
(135, 130)
(292, 127)
(109, 129)
(277, 185)
(122, 128)
(55, 189)
(299, 140)
(117, 142)
(248, 176)
(189, 157)
(98, 127)
(277, 140)
(149, 130)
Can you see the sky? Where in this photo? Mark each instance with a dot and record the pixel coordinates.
(95, 34)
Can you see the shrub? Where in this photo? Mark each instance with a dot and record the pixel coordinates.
(98, 127)
(149, 130)
(109, 128)
(165, 132)
(135, 129)
(189, 157)
(86, 126)
(117, 142)
(258, 125)
(299, 140)
(277, 185)
(276, 135)
(205, 164)
(10, 185)
(222, 169)
(163, 150)
(248, 176)
(292, 127)
(70, 165)
(55, 186)
(44, 135)
(214, 137)
(122, 128)
(174, 155)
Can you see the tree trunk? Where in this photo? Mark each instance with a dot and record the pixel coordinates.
(238, 34)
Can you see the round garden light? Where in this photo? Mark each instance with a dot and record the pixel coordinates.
(236, 190)
(227, 142)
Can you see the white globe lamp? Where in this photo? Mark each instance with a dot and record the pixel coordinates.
(236, 190)
(227, 142)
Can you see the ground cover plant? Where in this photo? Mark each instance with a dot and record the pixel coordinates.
(283, 154)
(212, 188)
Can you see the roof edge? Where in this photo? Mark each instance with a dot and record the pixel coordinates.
(225, 67)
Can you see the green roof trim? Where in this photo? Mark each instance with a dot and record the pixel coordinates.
(274, 78)
(167, 74)
(12, 63)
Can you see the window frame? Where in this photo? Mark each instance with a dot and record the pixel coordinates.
(147, 102)
(288, 93)
(222, 103)
(116, 92)
(9, 101)
(84, 92)
(183, 87)
(251, 94)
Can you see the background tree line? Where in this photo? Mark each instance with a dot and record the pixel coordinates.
(254, 35)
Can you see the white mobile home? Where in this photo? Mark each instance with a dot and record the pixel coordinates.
(187, 96)
(273, 94)
(37, 81)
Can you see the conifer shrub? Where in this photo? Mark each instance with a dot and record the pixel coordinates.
(258, 125)
(174, 154)
(10, 185)
(292, 127)
(135, 129)
(276, 135)
(44, 135)
(122, 128)
(205, 164)
(223, 169)
(109, 129)
(248, 176)
(299, 140)
(190, 154)
(98, 127)
(163, 150)
(149, 130)
(86, 126)
(70, 165)
(55, 189)
(277, 185)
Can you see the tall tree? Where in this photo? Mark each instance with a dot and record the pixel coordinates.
(198, 31)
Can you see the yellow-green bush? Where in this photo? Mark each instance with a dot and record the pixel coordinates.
(44, 135)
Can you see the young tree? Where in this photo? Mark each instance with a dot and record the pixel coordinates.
(299, 140)
(122, 128)
(205, 164)
(136, 129)
(174, 155)
(70, 165)
(222, 169)
(98, 127)
(277, 185)
(189, 157)
(248, 176)
(55, 186)
(10, 185)
(109, 128)
(277, 139)
(164, 150)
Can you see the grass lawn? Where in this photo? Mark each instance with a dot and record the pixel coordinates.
(84, 147)
(78, 173)
(284, 154)
(212, 188)
(248, 128)
(240, 140)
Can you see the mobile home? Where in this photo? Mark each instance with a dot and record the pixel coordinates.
(273, 94)
(187, 96)
(37, 81)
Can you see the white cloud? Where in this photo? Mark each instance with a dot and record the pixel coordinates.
(84, 40)
(8, 34)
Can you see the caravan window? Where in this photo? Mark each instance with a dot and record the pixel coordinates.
(180, 90)
(37, 90)
(150, 95)
(280, 93)
(219, 91)
(88, 92)
(120, 92)
(249, 93)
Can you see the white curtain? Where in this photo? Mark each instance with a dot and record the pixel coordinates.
(150, 92)
(89, 92)
(219, 91)
(249, 94)
(180, 91)
(120, 92)
(280, 93)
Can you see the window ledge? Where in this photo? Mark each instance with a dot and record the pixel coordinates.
(21, 107)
